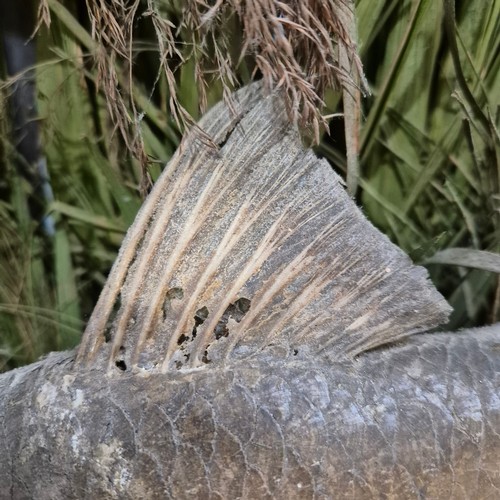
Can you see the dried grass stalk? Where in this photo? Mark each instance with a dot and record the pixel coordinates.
(296, 46)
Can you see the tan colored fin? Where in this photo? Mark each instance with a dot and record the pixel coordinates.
(253, 247)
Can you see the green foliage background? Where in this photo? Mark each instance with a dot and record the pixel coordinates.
(429, 167)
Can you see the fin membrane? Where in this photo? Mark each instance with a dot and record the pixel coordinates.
(253, 248)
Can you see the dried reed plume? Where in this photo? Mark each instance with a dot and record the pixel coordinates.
(303, 47)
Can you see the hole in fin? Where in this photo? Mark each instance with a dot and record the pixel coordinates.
(199, 318)
(121, 365)
(120, 362)
(182, 339)
(236, 310)
(234, 126)
(205, 359)
(179, 364)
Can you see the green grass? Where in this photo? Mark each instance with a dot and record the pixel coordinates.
(429, 163)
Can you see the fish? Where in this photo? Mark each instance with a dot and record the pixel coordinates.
(257, 337)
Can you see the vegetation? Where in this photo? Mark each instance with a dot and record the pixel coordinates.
(112, 113)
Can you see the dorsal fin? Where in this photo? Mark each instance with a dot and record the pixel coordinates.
(253, 247)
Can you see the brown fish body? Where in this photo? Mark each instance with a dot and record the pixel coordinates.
(409, 422)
